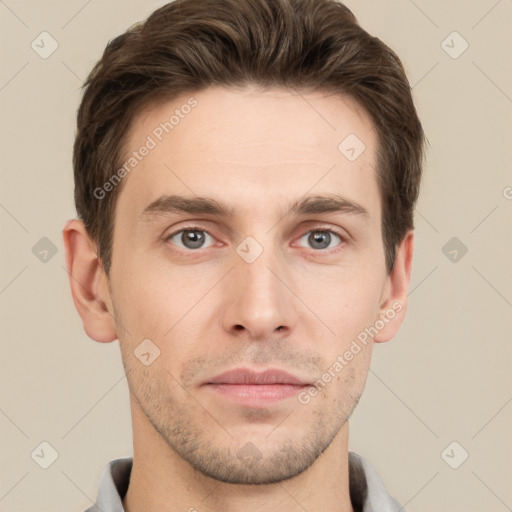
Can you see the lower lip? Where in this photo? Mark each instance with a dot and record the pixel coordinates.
(256, 394)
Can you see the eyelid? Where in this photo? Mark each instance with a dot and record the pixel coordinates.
(187, 228)
(341, 233)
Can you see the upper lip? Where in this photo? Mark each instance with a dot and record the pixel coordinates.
(247, 376)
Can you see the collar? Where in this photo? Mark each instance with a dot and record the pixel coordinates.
(367, 491)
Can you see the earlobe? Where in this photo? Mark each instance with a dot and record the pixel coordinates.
(394, 305)
(87, 280)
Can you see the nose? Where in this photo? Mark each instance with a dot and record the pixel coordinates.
(260, 304)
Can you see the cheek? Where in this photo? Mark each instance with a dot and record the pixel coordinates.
(153, 297)
(352, 378)
(346, 300)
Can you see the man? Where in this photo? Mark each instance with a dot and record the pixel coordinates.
(246, 173)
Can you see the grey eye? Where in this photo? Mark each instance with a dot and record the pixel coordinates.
(320, 239)
(189, 238)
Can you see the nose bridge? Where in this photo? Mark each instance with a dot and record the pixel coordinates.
(261, 301)
(259, 276)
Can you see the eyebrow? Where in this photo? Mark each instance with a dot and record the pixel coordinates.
(329, 203)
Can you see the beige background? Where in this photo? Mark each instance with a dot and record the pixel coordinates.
(447, 375)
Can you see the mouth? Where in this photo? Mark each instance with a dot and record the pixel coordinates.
(247, 387)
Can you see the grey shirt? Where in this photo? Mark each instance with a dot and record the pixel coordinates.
(367, 492)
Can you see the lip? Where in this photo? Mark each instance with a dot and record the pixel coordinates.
(255, 389)
(247, 377)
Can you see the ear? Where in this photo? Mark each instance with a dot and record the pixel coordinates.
(394, 296)
(89, 283)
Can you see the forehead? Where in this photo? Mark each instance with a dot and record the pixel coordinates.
(257, 148)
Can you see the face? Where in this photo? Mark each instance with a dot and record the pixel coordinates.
(280, 267)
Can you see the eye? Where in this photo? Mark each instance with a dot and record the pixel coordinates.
(190, 238)
(193, 238)
(321, 238)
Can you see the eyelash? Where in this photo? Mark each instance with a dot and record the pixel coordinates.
(342, 238)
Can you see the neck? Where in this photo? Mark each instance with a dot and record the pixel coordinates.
(161, 481)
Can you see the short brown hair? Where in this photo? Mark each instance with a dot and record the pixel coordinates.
(188, 45)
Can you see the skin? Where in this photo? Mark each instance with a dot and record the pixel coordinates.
(297, 307)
